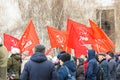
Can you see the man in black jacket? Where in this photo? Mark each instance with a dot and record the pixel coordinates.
(39, 68)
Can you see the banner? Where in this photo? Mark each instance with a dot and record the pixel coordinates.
(10, 42)
(57, 38)
(29, 38)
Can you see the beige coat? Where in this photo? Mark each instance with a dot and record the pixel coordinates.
(3, 62)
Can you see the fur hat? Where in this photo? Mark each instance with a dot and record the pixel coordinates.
(65, 57)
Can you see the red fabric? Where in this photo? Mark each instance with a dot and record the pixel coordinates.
(99, 34)
(30, 53)
(73, 39)
(101, 46)
(81, 50)
(57, 38)
(48, 51)
(10, 42)
(68, 50)
(82, 32)
(79, 34)
(29, 38)
(85, 66)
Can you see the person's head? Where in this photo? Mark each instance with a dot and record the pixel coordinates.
(101, 56)
(40, 48)
(79, 61)
(119, 57)
(116, 57)
(65, 57)
(109, 55)
(60, 54)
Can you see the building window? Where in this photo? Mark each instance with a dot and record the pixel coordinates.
(105, 19)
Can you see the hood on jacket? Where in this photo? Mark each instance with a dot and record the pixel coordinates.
(38, 57)
(91, 54)
(71, 65)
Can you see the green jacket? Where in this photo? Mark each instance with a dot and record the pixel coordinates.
(3, 62)
(14, 63)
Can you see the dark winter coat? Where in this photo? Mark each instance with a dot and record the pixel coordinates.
(117, 63)
(62, 72)
(92, 68)
(80, 72)
(118, 72)
(39, 68)
(3, 62)
(104, 66)
(112, 69)
(14, 64)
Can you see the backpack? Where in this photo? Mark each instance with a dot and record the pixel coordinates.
(99, 75)
(70, 77)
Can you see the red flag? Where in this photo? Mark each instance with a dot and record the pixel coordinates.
(48, 51)
(73, 39)
(81, 31)
(81, 50)
(69, 25)
(99, 34)
(10, 42)
(30, 53)
(29, 38)
(101, 46)
(57, 38)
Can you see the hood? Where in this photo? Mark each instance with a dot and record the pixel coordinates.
(71, 65)
(91, 54)
(38, 57)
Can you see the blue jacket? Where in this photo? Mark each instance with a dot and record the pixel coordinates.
(62, 72)
(92, 66)
(118, 71)
(112, 69)
(39, 68)
(104, 65)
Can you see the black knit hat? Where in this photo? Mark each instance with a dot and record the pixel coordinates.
(111, 54)
(65, 57)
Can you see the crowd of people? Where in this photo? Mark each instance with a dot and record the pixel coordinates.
(101, 66)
